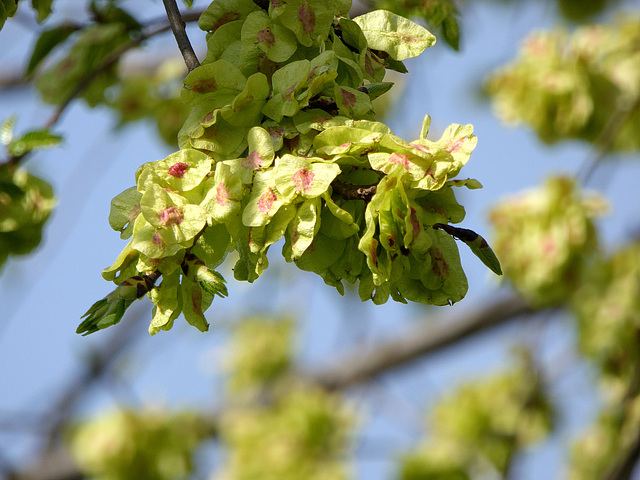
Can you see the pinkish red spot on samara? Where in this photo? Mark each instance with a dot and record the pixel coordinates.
(253, 161)
(134, 212)
(157, 240)
(222, 194)
(171, 216)
(456, 144)
(178, 169)
(439, 266)
(400, 159)
(266, 201)
(303, 179)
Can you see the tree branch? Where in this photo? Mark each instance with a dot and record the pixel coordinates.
(177, 27)
(366, 362)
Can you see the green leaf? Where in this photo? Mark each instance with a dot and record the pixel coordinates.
(35, 140)
(304, 227)
(43, 7)
(48, 40)
(167, 298)
(8, 9)
(188, 3)
(476, 243)
(302, 176)
(264, 202)
(181, 171)
(309, 20)
(194, 304)
(224, 194)
(375, 90)
(399, 37)
(276, 41)
(221, 12)
(125, 208)
(110, 310)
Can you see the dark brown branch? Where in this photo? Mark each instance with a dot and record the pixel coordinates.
(178, 29)
(367, 362)
(353, 192)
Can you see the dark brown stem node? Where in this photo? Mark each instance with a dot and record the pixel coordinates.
(349, 191)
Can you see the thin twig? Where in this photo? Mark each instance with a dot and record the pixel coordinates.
(367, 362)
(106, 64)
(178, 29)
(607, 137)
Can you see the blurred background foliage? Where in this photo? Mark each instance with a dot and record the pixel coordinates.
(577, 82)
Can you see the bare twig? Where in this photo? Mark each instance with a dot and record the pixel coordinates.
(367, 362)
(178, 29)
(607, 137)
(106, 64)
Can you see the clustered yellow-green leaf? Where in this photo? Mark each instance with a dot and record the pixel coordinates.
(576, 86)
(476, 430)
(302, 435)
(281, 143)
(260, 354)
(92, 47)
(607, 306)
(152, 97)
(601, 447)
(129, 445)
(300, 432)
(26, 202)
(440, 14)
(545, 237)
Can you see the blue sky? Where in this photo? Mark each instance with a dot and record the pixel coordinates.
(42, 296)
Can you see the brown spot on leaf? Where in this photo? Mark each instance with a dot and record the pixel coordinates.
(307, 17)
(204, 85)
(266, 36)
(226, 18)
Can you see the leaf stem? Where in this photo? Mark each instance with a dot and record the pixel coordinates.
(178, 29)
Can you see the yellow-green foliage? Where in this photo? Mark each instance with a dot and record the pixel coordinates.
(481, 425)
(302, 435)
(26, 202)
(301, 432)
(575, 86)
(544, 237)
(260, 354)
(600, 447)
(155, 97)
(608, 310)
(134, 445)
